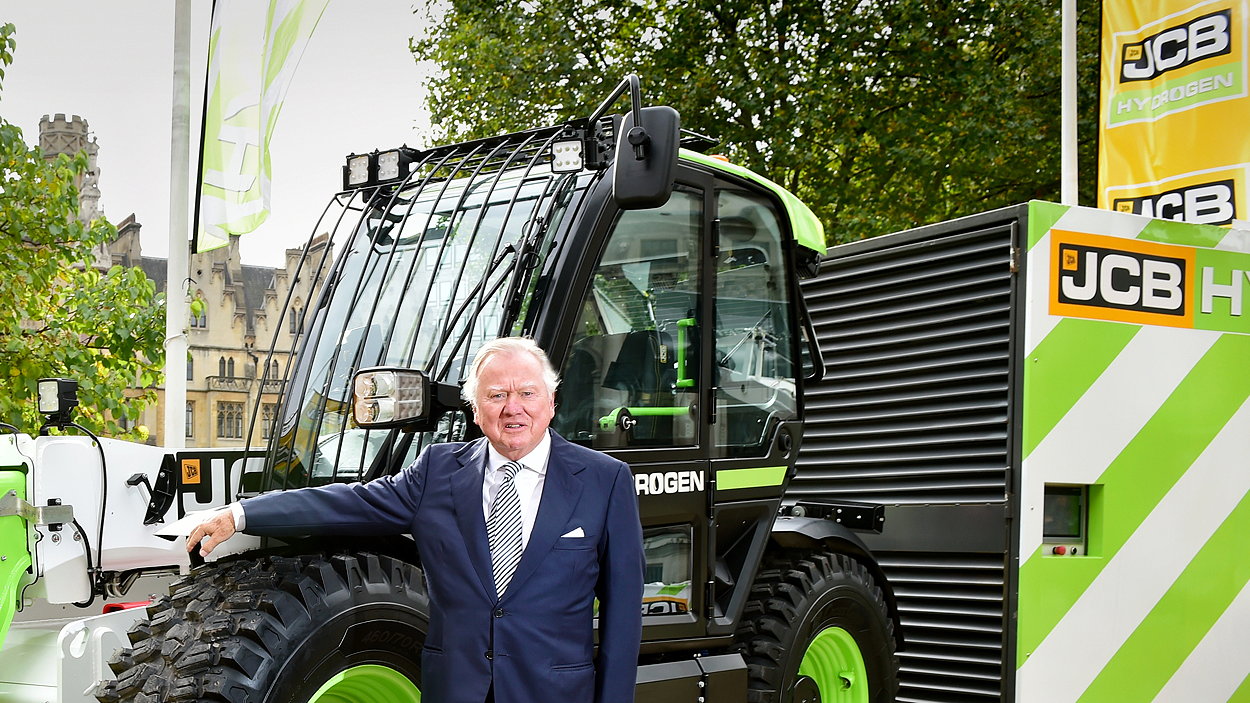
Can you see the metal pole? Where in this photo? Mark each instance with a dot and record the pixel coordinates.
(179, 239)
(1067, 138)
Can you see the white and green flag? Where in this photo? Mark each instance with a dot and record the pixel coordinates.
(250, 66)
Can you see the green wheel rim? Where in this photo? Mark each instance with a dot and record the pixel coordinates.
(834, 662)
(367, 683)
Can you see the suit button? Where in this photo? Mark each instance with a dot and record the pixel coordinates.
(499, 613)
(490, 654)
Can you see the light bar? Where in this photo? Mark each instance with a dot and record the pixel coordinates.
(377, 168)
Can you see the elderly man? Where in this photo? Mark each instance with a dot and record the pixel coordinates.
(520, 532)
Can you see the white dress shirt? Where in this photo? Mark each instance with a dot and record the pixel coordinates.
(529, 483)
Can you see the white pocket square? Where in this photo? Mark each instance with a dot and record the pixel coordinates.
(575, 532)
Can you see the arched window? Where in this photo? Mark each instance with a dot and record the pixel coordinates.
(221, 366)
(190, 369)
(230, 368)
(230, 420)
(199, 321)
(268, 412)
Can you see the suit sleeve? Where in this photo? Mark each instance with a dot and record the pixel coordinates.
(620, 595)
(382, 506)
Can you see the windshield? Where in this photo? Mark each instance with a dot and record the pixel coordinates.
(426, 276)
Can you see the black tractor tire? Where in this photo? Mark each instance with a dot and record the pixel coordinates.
(801, 597)
(273, 630)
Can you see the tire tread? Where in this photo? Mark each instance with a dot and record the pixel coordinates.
(218, 633)
(778, 601)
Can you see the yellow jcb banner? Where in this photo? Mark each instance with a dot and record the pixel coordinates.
(1174, 125)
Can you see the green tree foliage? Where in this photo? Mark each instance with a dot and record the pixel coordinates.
(880, 115)
(59, 316)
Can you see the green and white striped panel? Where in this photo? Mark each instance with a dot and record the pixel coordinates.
(1153, 415)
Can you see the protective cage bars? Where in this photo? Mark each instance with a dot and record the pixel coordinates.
(382, 256)
(914, 413)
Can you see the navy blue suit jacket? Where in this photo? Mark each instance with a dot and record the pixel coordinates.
(544, 642)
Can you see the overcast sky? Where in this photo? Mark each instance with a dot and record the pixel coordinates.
(357, 89)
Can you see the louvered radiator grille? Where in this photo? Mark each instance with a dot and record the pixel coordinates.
(914, 411)
(913, 406)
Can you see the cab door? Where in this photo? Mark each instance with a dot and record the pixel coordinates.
(753, 423)
(632, 386)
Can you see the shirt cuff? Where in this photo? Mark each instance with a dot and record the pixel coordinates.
(240, 520)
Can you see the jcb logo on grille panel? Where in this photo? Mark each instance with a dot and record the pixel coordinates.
(1123, 280)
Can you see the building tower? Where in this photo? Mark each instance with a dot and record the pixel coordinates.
(58, 135)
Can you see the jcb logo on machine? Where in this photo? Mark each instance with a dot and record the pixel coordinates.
(1124, 280)
(190, 471)
(1176, 47)
(1202, 203)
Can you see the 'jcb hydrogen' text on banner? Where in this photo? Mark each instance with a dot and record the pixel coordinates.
(1174, 102)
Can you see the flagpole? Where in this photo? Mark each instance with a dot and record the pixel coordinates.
(1067, 131)
(179, 252)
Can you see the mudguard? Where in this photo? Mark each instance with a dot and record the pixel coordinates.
(792, 532)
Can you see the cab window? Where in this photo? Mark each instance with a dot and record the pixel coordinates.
(628, 380)
(755, 366)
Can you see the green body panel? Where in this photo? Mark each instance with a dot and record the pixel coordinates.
(1043, 216)
(1063, 367)
(1226, 272)
(728, 479)
(1170, 232)
(1182, 617)
(1134, 483)
(808, 231)
(15, 550)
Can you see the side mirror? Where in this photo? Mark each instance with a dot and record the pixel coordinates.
(646, 158)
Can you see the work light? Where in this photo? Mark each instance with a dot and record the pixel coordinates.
(566, 156)
(393, 165)
(57, 398)
(356, 173)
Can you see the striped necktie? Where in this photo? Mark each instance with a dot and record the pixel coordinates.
(504, 529)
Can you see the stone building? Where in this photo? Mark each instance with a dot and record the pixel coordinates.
(227, 377)
(226, 371)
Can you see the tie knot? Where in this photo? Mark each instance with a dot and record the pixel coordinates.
(510, 469)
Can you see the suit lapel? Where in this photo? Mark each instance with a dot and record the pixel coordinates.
(466, 488)
(562, 488)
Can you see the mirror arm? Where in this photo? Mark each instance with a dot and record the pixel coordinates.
(638, 137)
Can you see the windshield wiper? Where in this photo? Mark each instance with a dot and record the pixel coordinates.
(509, 249)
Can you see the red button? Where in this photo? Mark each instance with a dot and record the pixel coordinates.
(1059, 550)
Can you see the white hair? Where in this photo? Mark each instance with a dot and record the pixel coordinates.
(514, 345)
